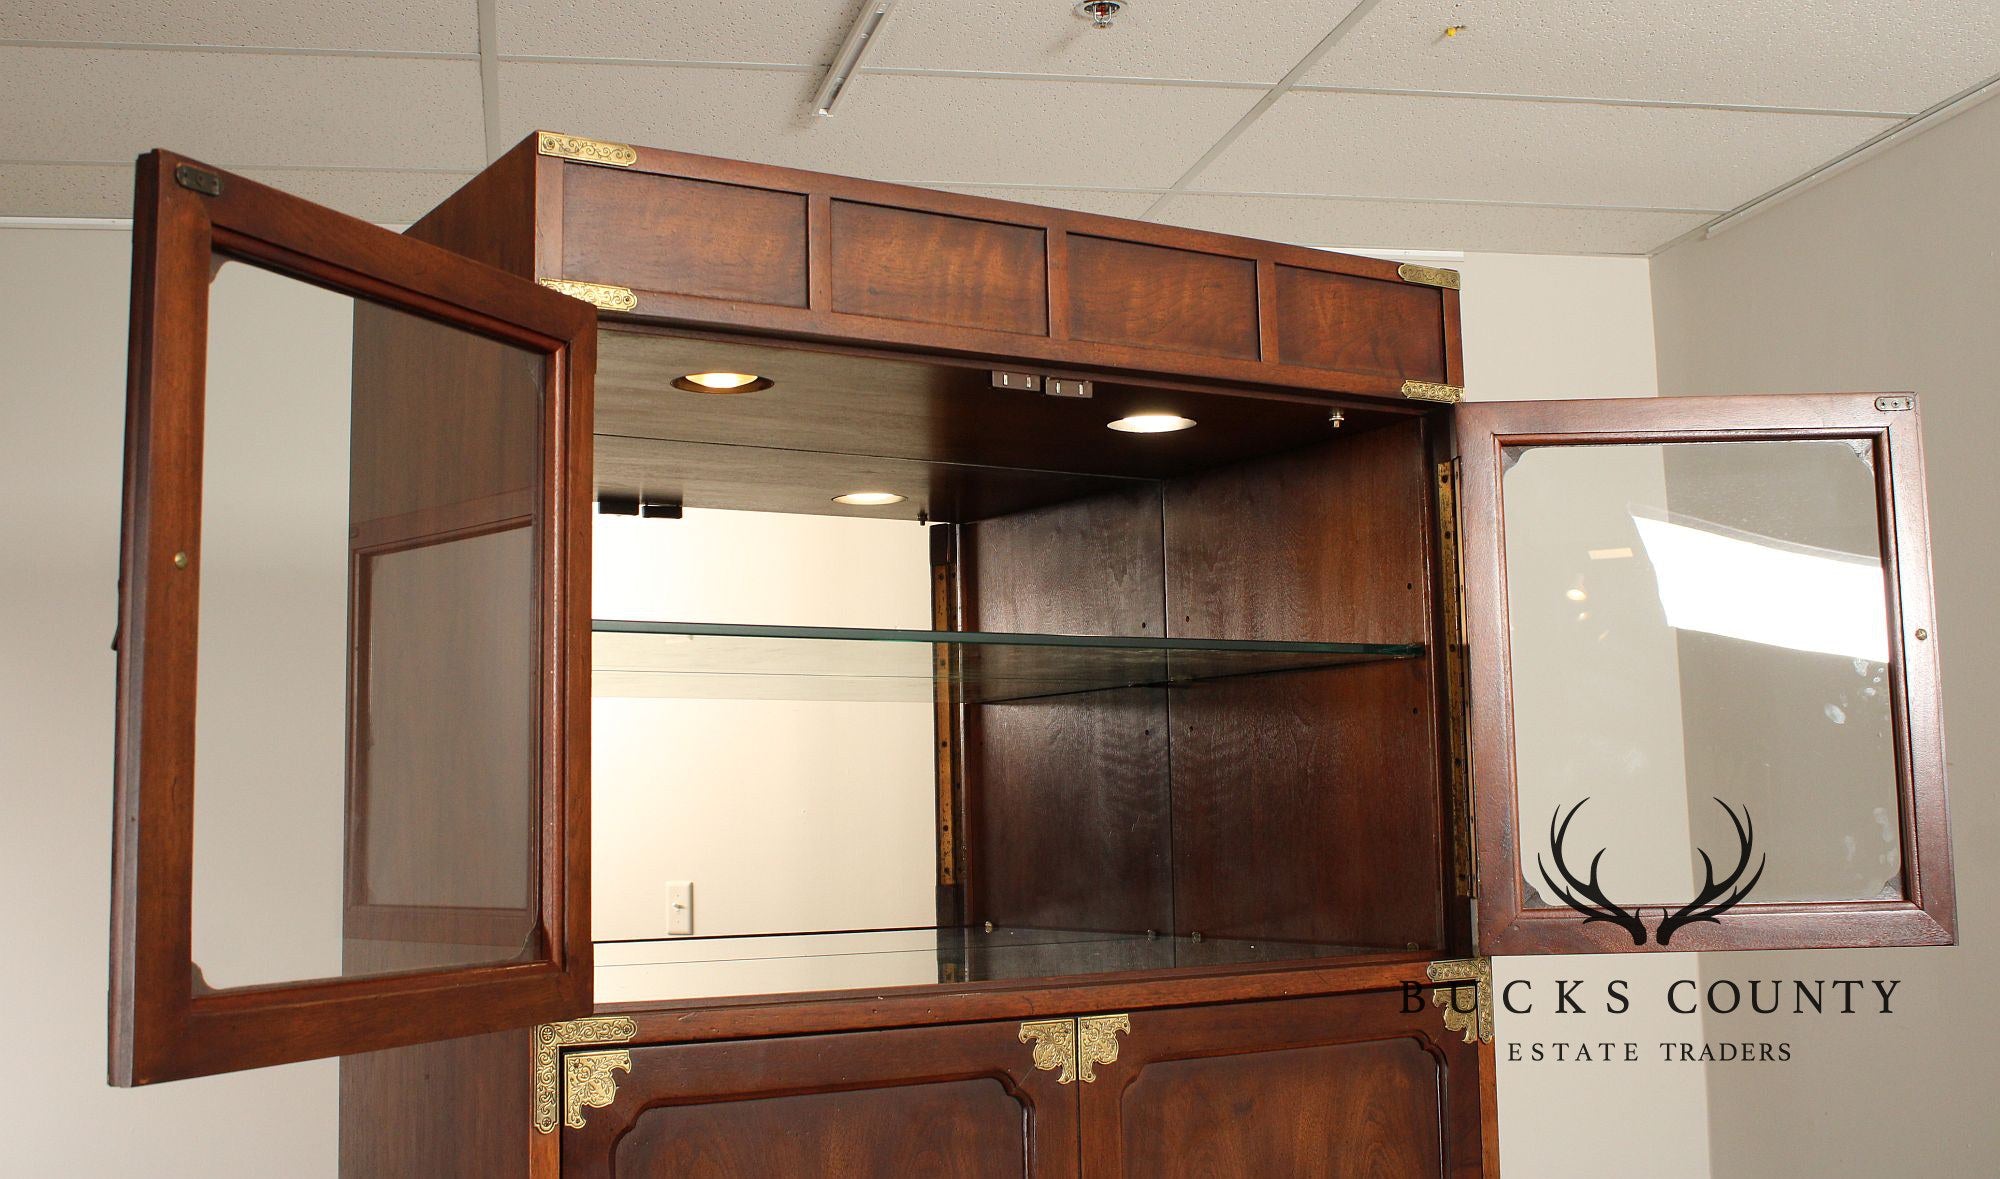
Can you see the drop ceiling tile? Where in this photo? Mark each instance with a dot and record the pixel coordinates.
(1413, 225)
(803, 32)
(1231, 40)
(101, 190)
(105, 190)
(241, 109)
(450, 27)
(890, 127)
(1110, 204)
(1536, 152)
(1835, 54)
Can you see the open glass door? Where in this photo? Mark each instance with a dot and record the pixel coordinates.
(352, 765)
(1703, 671)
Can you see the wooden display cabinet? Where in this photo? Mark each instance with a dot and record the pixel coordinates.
(1234, 737)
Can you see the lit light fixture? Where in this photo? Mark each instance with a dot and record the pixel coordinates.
(722, 382)
(1151, 423)
(869, 499)
(1575, 595)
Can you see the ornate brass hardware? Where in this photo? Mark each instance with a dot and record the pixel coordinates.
(589, 151)
(597, 294)
(1473, 1015)
(589, 1079)
(1421, 390)
(569, 1089)
(1073, 1048)
(1054, 1043)
(1097, 1042)
(1465, 856)
(1430, 276)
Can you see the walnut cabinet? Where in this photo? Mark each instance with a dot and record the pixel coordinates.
(1059, 799)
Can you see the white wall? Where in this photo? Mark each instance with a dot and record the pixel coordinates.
(1881, 278)
(787, 814)
(1539, 326)
(62, 396)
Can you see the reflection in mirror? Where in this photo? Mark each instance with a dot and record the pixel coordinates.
(365, 753)
(1699, 621)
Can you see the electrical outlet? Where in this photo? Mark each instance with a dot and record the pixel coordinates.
(680, 907)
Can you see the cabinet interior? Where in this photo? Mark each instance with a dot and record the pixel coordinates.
(1082, 701)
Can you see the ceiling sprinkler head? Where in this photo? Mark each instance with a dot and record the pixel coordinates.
(1100, 13)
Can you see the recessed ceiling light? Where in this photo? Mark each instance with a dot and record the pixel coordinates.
(722, 382)
(1151, 423)
(868, 499)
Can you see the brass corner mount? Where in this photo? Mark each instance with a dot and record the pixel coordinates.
(1430, 391)
(597, 294)
(587, 151)
(584, 1079)
(1473, 1014)
(1429, 276)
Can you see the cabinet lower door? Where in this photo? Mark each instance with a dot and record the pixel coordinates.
(1347, 1085)
(964, 1100)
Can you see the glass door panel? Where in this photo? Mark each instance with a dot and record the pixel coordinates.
(349, 814)
(1697, 728)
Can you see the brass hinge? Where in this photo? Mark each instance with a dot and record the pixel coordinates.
(1457, 699)
(1473, 1013)
(1430, 276)
(199, 180)
(1430, 391)
(1073, 1048)
(584, 1078)
(596, 294)
(588, 151)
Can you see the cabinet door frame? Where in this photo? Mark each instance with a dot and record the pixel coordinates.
(734, 1071)
(164, 1024)
(1890, 424)
(1466, 1117)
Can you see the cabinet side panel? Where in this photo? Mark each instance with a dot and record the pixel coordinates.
(1306, 804)
(456, 1108)
(491, 219)
(682, 236)
(1066, 808)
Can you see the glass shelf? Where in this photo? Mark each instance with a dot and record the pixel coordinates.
(700, 968)
(718, 661)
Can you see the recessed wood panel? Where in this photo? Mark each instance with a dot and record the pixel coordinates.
(962, 1099)
(1065, 799)
(932, 268)
(1331, 1111)
(1305, 808)
(1274, 775)
(1362, 325)
(969, 1128)
(681, 236)
(1155, 297)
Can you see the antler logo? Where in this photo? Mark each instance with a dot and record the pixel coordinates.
(1714, 899)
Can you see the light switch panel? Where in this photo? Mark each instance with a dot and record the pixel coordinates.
(680, 907)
